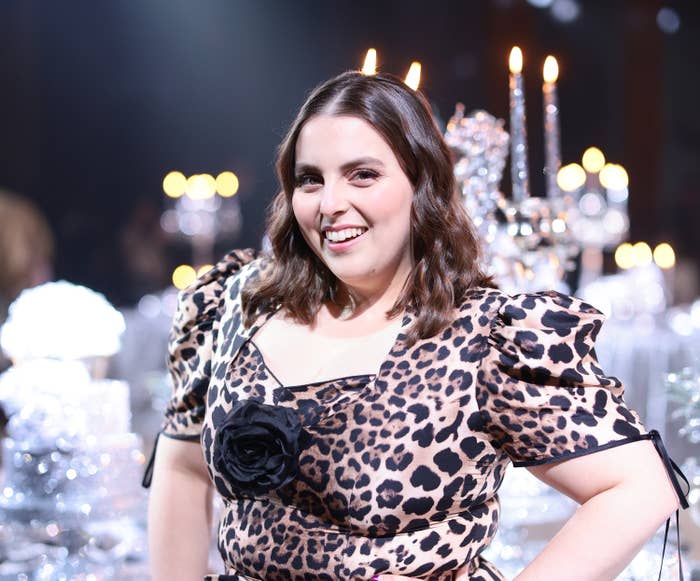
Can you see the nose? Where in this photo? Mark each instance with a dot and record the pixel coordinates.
(334, 198)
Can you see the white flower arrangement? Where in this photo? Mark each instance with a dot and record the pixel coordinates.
(63, 321)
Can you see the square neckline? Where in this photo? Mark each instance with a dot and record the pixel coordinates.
(251, 332)
(369, 376)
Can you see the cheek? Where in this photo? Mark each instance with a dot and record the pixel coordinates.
(303, 211)
(394, 208)
(306, 216)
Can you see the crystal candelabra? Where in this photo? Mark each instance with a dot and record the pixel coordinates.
(527, 243)
(532, 242)
(599, 216)
(203, 210)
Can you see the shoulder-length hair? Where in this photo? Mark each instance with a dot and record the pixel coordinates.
(445, 248)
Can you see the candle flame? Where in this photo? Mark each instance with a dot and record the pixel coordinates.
(593, 160)
(174, 184)
(227, 184)
(571, 177)
(613, 177)
(642, 254)
(183, 276)
(370, 65)
(624, 256)
(515, 60)
(200, 187)
(550, 70)
(664, 256)
(413, 76)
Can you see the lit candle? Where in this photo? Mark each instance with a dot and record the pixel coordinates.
(413, 76)
(370, 65)
(552, 146)
(518, 135)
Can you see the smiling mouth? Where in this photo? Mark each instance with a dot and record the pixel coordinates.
(343, 235)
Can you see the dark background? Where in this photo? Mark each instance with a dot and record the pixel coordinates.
(100, 99)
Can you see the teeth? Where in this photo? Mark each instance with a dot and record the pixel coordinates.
(342, 235)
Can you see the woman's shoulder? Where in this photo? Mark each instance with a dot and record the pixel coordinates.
(548, 309)
(240, 267)
(539, 335)
(201, 299)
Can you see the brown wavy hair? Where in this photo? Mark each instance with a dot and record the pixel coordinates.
(445, 248)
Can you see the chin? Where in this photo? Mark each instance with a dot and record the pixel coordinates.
(351, 278)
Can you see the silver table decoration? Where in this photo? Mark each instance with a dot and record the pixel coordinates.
(552, 143)
(201, 210)
(527, 243)
(684, 390)
(518, 144)
(71, 505)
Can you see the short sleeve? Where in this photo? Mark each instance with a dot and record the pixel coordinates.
(542, 395)
(191, 344)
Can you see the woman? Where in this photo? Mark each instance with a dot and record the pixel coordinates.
(26, 254)
(359, 393)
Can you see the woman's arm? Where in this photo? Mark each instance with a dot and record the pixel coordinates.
(625, 495)
(179, 512)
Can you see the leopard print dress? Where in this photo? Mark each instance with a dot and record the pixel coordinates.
(400, 470)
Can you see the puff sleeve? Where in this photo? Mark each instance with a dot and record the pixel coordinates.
(191, 344)
(542, 395)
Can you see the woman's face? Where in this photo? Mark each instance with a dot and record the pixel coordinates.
(352, 202)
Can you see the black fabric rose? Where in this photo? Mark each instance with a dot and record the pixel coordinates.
(256, 448)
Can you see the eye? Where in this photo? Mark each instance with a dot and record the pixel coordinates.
(364, 176)
(307, 181)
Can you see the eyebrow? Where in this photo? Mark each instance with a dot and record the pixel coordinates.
(368, 160)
